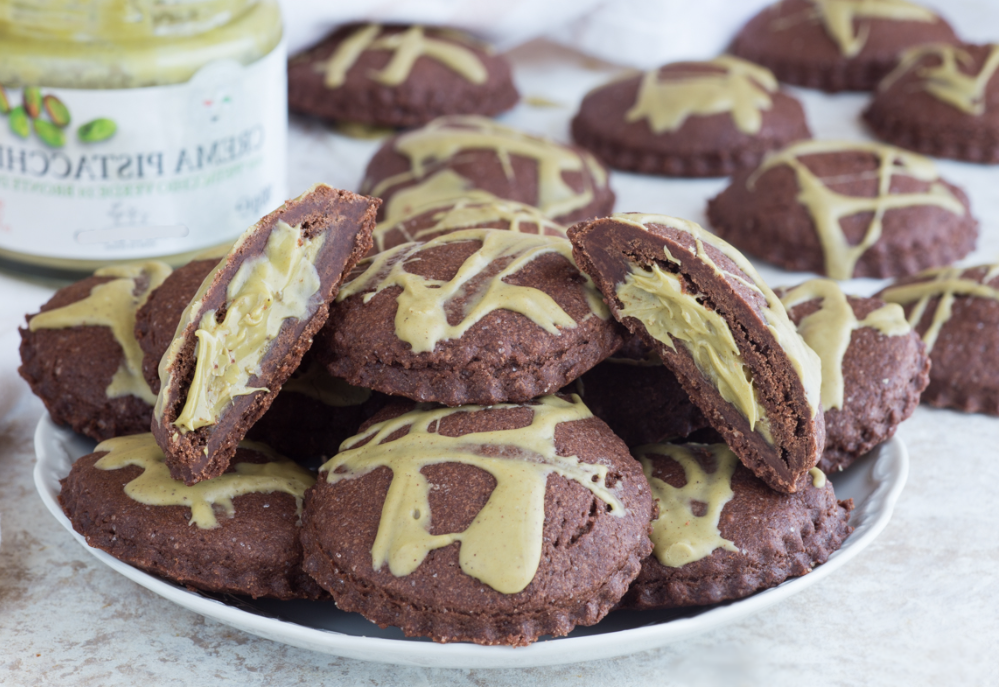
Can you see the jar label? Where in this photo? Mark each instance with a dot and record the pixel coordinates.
(143, 172)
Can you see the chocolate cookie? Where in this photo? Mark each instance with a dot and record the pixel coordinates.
(80, 356)
(398, 76)
(722, 534)
(941, 100)
(237, 534)
(846, 209)
(874, 366)
(956, 311)
(250, 323)
(452, 155)
(156, 321)
(639, 397)
(481, 211)
(690, 119)
(715, 323)
(487, 525)
(837, 45)
(477, 316)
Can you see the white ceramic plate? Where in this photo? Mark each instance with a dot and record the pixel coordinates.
(874, 483)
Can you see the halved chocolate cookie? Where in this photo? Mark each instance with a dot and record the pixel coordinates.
(956, 311)
(714, 322)
(874, 366)
(941, 100)
(722, 534)
(837, 45)
(690, 119)
(846, 209)
(398, 76)
(488, 525)
(235, 534)
(80, 355)
(475, 316)
(250, 323)
(450, 156)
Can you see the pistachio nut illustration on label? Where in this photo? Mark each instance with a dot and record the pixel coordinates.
(48, 117)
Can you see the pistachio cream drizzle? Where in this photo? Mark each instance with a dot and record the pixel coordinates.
(421, 319)
(742, 89)
(466, 212)
(320, 385)
(839, 16)
(660, 306)
(113, 305)
(827, 330)
(406, 47)
(678, 535)
(827, 207)
(657, 299)
(436, 189)
(946, 81)
(445, 137)
(278, 285)
(502, 546)
(155, 487)
(946, 283)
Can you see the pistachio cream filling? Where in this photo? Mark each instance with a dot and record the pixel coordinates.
(703, 332)
(659, 301)
(471, 212)
(827, 207)
(687, 527)
(278, 285)
(742, 89)
(113, 305)
(946, 284)
(502, 546)
(155, 487)
(827, 331)
(406, 47)
(844, 19)
(421, 318)
(445, 137)
(946, 81)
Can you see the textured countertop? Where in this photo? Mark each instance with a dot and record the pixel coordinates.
(918, 607)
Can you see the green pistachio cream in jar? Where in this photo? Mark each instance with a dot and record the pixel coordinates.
(137, 128)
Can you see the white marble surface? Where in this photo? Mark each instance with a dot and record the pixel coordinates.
(917, 608)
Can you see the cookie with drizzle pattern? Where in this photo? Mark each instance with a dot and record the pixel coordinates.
(398, 76)
(846, 209)
(956, 312)
(837, 45)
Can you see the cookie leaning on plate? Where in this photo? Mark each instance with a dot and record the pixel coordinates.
(715, 323)
(722, 534)
(80, 355)
(250, 323)
(874, 366)
(488, 525)
(956, 311)
(236, 534)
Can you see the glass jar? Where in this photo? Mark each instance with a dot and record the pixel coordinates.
(134, 129)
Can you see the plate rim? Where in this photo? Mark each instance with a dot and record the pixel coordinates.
(889, 471)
